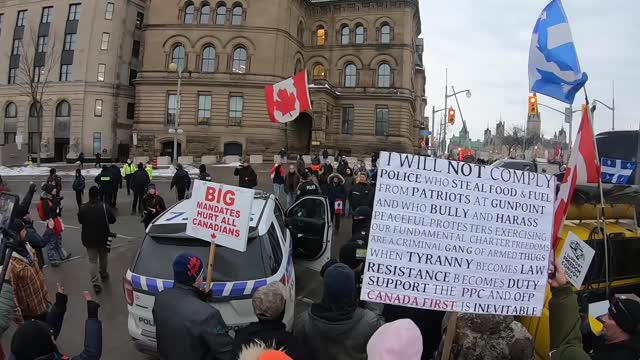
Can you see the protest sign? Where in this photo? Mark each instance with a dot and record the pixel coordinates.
(576, 257)
(220, 214)
(454, 236)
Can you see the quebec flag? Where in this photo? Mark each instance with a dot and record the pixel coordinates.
(554, 69)
(617, 171)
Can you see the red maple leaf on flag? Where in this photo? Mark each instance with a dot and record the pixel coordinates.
(286, 102)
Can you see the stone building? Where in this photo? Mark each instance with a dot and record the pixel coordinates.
(363, 59)
(81, 57)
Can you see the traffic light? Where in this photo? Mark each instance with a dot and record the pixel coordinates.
(533, 105)
(451, 116)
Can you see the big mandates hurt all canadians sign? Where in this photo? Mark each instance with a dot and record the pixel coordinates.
(453, 236)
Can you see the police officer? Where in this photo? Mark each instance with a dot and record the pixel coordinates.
(127, 171)
(307, 187)
(106, 184)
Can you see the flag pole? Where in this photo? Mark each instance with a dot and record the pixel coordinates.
(601, 219)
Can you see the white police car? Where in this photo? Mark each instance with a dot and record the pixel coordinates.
(237, 275)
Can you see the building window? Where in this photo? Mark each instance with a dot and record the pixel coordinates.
(97, 142)
(345, 34)
(301, 31)
(69, 41)
(12, 76)
(133, 75)
(42, 43)
(384, 76)
(205, 12)
(208, 59)
(74, 12)
(104, 45)
(204, 109)
(385, 34)
(63, 120)
(319, 72)
(188, 13)
(382, 121)
(35, 127)
(1, 22)
(135, 49)
(131, 108)
(97, 111)
(235, 110)
(108, 14)
(298, 66)
(321, 36)
(221, 14)
(17, 47)
(65, 72)
(236, 18)
(38, 73)
(102, 68)
(47, 14)
(63, 109)
(10, 123)
(178, 56)
(239, 60)
(359, 34)
(22, 14)
(347, 120)
(172, 106)
(139, 20)
(350, 75)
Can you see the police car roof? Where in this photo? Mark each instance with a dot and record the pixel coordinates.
(173, 221)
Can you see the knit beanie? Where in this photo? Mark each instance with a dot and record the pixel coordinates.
(16, 226)
(339, 285)
(400, 339)
(32, 340)
(187, 268)
(268, 301)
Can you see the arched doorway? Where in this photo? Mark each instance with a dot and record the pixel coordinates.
(166, 149)
(61, 130)
(232, 149)
(300, 134)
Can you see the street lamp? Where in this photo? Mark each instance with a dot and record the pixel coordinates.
(175, 130)
(443, 125)
(612, 108)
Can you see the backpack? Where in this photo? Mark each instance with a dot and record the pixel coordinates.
(40, 208)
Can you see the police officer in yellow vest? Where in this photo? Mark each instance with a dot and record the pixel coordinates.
(127, 171)
(149, 170)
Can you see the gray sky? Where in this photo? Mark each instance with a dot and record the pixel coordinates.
(485, 45)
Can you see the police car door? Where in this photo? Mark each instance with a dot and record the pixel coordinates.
(309, 222)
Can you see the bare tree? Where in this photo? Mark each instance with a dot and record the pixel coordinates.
(513, 140)
(38, 60)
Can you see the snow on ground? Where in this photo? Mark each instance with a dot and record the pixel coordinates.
(44, 170)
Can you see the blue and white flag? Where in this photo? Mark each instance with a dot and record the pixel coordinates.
(554, 69)
(617, 171)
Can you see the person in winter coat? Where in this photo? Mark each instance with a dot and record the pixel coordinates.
(81, 160)
(187, 327)
(361, 223)
(34, 239)
(95, 218)
(55, 180)
(153, 205)
(203, 174)
(139, 182)
(343, 165)
(117, 184)
(361, 193)
(619, 339)
(307, 187)
(283, 155)
(424, 320)
(301, 167)
(269, 305)
(79, 183)
(325, 155)
(348, 185)
(327, 168)
(127, 171)
(149, 169)
(315, 160)
(400, 339)
(291, 182)
(37, 339)
(48, 210)
(98, 160)
(181, 181)
(247, 177)
(106, 183)
(277, 176)
(336, 328)
(337, 197)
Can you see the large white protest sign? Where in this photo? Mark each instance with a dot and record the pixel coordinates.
(453, 236)
(576, 257)
(220, 213)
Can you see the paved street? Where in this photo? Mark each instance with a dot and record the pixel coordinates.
(74, 274)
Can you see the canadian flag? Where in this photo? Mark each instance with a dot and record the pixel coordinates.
(288, 98)
(583, 168)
